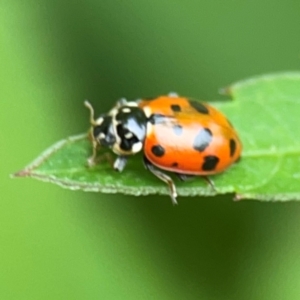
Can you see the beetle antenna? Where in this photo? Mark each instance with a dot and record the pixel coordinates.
(91, 109)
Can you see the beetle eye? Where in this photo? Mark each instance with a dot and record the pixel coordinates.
(103, 133)
(97, 131)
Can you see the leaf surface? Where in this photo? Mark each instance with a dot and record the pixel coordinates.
(265, 111)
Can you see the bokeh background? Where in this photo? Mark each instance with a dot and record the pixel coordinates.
(59, 244)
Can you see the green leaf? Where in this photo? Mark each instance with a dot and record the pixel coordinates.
(265, 112)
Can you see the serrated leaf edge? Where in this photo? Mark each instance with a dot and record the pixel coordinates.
(47, 153)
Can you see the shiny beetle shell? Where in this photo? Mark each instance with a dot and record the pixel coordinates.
(176, 134)
(189, 137)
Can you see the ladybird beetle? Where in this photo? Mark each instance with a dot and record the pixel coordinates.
(176, 134)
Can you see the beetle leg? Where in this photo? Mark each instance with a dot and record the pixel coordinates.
(120, 163)
(164, 177)
(92, 160)
(184, 177)
(209, 182)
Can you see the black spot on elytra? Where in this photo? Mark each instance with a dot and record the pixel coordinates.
(174, 165)
(175, 107)
(201, 108)
(232, 147)
(177, 129)
(202, 139)
(158, 150)
(210, 163)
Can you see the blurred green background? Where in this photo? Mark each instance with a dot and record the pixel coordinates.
(59, 244)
